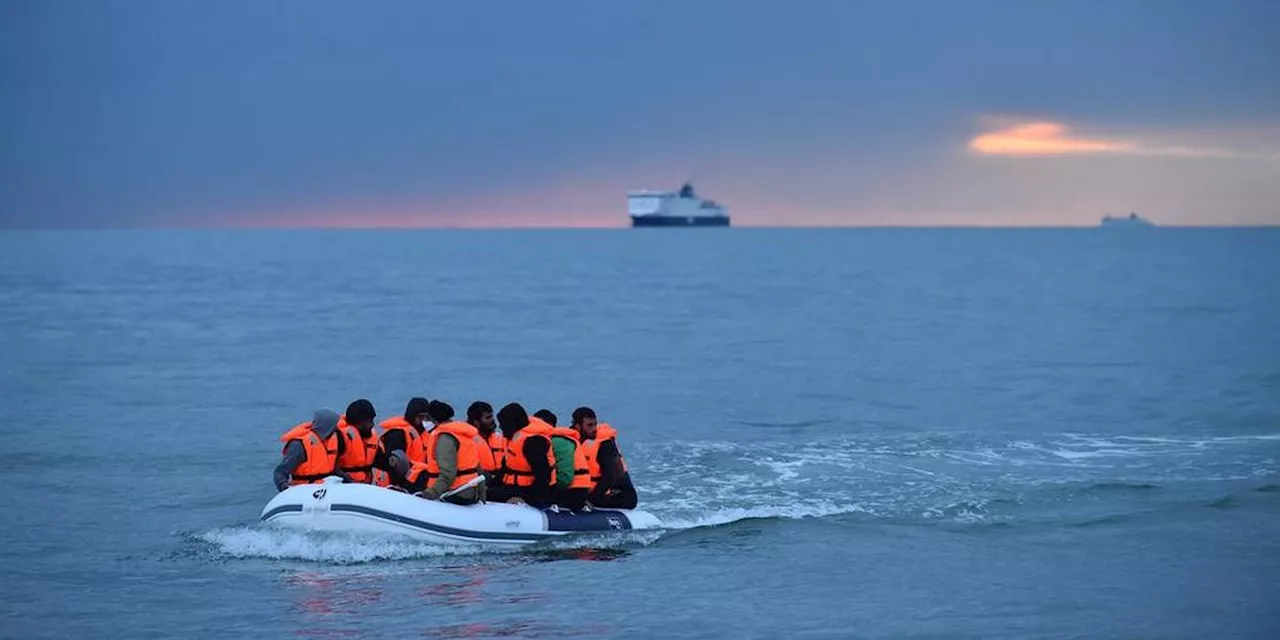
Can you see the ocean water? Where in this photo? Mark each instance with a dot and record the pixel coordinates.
(849, 433)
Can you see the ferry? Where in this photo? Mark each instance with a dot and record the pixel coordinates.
(1131, 220)
(681, 208)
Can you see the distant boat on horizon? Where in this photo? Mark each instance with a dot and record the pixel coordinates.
(674, 209)
(1131, 220)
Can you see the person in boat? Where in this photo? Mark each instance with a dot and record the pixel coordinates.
(480, 416)
(310, 451)
(405, 433)
(406, 475)
(440, 479)
(611, 485)
(454, 453)
(528, 466)
(572, 478)
(358, 444)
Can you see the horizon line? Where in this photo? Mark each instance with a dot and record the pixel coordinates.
(610, 228)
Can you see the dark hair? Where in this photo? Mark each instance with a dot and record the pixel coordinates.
(416, 407)
(546, 416)
(440, 411)
(582, 413)
(478, 409)
(512, 418)
(359, 411)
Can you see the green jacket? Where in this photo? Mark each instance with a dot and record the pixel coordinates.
(446, 454)
(563, 449)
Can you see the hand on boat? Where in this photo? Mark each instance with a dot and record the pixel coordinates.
(516, 500)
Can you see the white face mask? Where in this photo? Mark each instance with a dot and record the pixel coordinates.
(428, 425)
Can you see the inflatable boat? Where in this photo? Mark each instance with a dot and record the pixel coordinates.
(334, 506)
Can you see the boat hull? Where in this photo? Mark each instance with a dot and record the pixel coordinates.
(361, 508)
(679, 221)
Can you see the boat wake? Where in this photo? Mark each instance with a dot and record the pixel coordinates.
(280, 543)
(274, 542)
(919, 479)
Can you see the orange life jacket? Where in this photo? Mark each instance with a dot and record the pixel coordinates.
(469, 444)
(497, 448)
(592, 447)
(414, 447)
(485, 455)
(416, 469)
(321, 456)
(373, 443)
(516, 469)
(357, 452)
(581, 472)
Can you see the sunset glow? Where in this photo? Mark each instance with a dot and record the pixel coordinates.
(1043, 138)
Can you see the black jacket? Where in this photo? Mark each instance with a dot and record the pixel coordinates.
(535, 451)
(612, 476)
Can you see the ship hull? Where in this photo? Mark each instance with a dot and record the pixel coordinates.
(679, 221)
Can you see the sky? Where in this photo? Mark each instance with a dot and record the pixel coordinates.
(175, 113)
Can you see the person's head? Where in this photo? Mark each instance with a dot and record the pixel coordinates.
(399, 463)
(512, 418)
(360, 414)
(440, 412)
(546, 416)
(415, 413)
(480, 415)
(584, 420)
(323, 422)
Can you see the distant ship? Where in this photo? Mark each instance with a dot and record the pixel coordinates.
(674, 209)
(1131, 220)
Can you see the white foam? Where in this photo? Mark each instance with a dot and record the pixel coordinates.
(607, 540)
(790, 512)
(785, 470)
(265, 541)
(1073, 454)
(279, 543)
(920, 471)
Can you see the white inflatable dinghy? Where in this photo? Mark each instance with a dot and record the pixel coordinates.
(334, 506)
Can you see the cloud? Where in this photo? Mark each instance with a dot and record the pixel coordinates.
(1042, 138)
(1047, 138)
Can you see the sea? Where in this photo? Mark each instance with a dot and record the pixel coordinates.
(847, 433)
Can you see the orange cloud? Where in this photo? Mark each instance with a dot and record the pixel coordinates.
(1043, 138)
(1047, 138)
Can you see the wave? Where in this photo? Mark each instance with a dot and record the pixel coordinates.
(1086, 449)
(782, 512)
(798, 424)
(1080, 449)
(1120, 486)
(1102, 521)
(1226, 502)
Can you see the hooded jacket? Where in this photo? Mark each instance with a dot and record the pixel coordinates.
(512, 418)
(323, 422)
